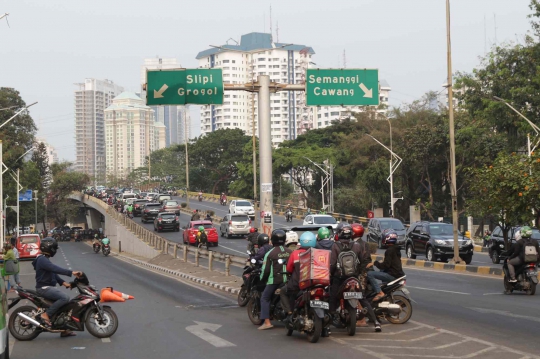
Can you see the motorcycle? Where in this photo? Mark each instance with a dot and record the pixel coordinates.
(106, 250)
(83, 311)
(288, 216)
(310, 314)
(347, 312)
(200, 198)
(527, 279)
(250, 276)
(394, 308)
(130, 214)
(96, 247)
(223, 202)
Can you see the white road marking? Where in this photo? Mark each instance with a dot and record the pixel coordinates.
(506, 314)
(439, 290)
(106, 340)
(493, 294)
(200, 330)
(231, 249)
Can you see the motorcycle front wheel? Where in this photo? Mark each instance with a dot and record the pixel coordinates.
(406, 310)
(243, 297)
(254, 312)
(20, 328)
(103, 328)
(106, 253)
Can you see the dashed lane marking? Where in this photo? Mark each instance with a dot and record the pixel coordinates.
(438, 290)
(106, 340)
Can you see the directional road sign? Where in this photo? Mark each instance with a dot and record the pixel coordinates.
(347, 87)
(25, 196)
(183, 86)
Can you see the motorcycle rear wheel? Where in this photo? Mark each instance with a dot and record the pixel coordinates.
(254, 312)
(351, 325)
(508, 288)
(243, 297)
(315, 334)
(406, 309)
(19, 328)
(105, 329)
(532, 289)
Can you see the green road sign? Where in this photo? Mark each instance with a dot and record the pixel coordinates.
(184, 86)
(347, 87)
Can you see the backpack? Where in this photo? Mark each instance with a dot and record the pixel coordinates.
(203, 238)
(347, 261)
(530, 255)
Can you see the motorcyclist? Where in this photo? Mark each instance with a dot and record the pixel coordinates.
(273, 273)
(345, 242)
(202, 237)
(223, 197)
(208, 217)
(389, 269)
(324, 239)
(130, 209)
(97, 242)
(196, 216)
(291, 241)
(47, 276)
(289, 293)
(288, 211)
(252, 239)
(105, 241)
(264, 246)
(516, 254)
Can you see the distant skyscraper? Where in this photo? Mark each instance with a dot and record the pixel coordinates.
(167, 115)
(131, 134)
(51, 151)
(184, 123)
(91, 99)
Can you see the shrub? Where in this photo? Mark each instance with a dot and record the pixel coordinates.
(183, 204)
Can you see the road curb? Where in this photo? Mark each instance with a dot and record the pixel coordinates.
(440, 266)
(176, 273)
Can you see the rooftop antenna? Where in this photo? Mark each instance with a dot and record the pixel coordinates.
(5, 16)
(495, 20)
(277, 31)
(271, 34)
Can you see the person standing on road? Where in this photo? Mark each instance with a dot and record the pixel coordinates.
(390, 268)
(487, 238)
(11, 254)
(195, 216)
(274, 273)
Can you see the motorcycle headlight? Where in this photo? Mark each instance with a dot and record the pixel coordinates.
(501, 245)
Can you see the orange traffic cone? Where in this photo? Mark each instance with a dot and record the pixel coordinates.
(108, 296)
(123, 295)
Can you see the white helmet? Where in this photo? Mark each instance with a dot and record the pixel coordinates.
(292, 238)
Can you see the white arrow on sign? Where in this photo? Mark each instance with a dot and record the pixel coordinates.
(159, 94)
(367, 92)
(199, 330)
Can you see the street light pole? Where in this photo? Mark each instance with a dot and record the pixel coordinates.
(36, 199)
(391, 173)
(187, 159)
(453, 179)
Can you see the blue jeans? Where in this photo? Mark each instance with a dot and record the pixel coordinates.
(266, 298)
(382, 276)
(15, 278)
(56, 296)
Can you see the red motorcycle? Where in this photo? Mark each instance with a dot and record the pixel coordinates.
(310, 313)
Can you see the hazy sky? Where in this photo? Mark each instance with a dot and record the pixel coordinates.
(52, 44)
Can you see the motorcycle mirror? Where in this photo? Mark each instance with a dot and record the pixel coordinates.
(248, 252)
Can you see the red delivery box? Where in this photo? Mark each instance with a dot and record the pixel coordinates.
(314, 267)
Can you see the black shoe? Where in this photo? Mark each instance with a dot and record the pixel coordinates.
(326, 332)
(378, 327)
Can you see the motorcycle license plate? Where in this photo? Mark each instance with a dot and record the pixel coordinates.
(352, 295)
(319, 304)
(532, 274)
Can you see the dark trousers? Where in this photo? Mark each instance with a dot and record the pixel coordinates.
(266, 298)
(55, 295)
(288, 296)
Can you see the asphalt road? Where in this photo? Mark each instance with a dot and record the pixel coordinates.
(455, 315)
(237, 245)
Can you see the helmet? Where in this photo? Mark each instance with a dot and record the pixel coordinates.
(201, 228)
(345, 233)
(390, 238)
(48, 246)
(358, 230)
(322, 233)
(526, 232)
(278, 237)
(308, 239)
(292, 238)
(252, 230)
(263, 239)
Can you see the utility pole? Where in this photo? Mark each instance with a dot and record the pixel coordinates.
(265, 153)
(18, 208)
(36, 199)
(453, 179)
(187, 158)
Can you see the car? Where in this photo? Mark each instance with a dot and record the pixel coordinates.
(234, 225)
(130, 201)
(150, 196)
(190, 233)
(138, 206)
(167, 220)
(242, 207)
(150, 211)
(125, 196)
(28, 246)
(170, 206)
(320, 219)
(377, 228)
(142, 195)
(497, 251)
(435, 240)
(160, 197)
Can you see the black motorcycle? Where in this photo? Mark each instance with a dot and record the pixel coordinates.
(96, 247)
(527, 279)
(288, 216)
(310, 313)
(250, 277)
(395, 306)
(106, 249)
(350, 292)
(82, 311)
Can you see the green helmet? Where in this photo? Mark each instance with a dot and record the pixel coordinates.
(201, 228)
(323, 233)
(526, 232)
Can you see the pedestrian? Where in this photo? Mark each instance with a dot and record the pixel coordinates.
(487, 238)
(11, 254)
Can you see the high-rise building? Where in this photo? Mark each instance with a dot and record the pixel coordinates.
(257, 55)
(167, 115)
(91, 99)
(184, 124)
(131, 134)
(51, 151)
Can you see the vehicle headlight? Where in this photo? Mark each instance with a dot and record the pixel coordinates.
(440, 242)
(501, 245)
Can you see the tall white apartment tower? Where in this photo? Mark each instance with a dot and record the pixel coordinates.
(257, 54)
(167, 115)
(91, 99)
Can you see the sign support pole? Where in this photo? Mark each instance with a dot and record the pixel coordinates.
(18, 208)
(265, 154)
(2, 227)
(187, 159)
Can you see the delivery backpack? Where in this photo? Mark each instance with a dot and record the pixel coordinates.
(203, 238)
(347, 261)
(530, 255)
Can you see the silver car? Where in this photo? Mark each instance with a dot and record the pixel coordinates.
(242, 207)
(235, 225)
